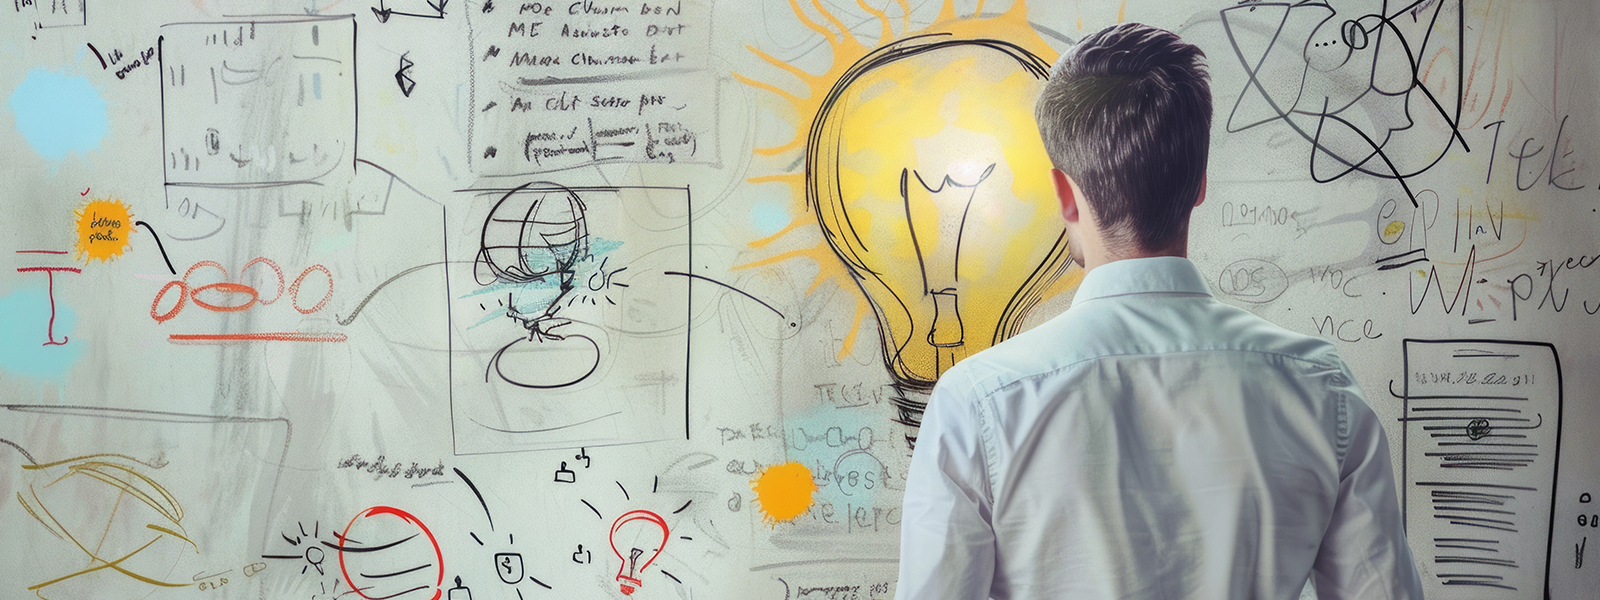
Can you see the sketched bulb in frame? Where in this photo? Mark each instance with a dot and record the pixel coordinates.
(532, 238)
(927, 175)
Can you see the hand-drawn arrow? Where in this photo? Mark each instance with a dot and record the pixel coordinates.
(383, 13)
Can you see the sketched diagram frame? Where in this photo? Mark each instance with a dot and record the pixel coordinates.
(531, 242)
(1346, 63)
(569, 316)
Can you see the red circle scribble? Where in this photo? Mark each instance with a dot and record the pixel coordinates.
(226, 288)
(375, 511)
(183, 296)
(294, 290)
(276, 270)
(204, 263)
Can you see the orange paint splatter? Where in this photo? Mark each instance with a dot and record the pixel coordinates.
(784, 491)
(103, 227)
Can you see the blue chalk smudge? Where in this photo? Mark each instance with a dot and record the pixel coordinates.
(769, 218)
(59, 113)
(24, 321)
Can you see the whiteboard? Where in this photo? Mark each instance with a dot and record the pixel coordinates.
(430, 299)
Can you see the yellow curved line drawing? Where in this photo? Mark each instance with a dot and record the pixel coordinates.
(116, 471)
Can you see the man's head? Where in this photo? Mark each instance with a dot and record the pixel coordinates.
(1126, 120)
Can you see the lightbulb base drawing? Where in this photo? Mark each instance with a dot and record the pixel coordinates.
(628, 584)
(910, 401)
(946, 331)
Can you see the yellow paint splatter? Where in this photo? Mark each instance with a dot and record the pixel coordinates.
(1393, 231)
(784, 491)
(104, 227)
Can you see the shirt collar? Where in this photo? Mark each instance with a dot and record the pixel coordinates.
(1159, 274)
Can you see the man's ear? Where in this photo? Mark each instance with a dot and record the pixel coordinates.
(1203, 180)
(1067, 195)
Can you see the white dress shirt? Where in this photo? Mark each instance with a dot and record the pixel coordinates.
(1152, 442)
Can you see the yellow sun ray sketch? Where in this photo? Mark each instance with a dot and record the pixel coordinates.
(926, 175)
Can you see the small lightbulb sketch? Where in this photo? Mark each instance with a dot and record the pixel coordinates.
(532, 242)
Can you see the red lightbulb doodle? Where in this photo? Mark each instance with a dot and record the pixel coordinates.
(648, 538)
(381, 557)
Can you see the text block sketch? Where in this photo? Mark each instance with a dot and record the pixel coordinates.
(256, 104)
(569, 314)
(588, 84)
(1482, 434)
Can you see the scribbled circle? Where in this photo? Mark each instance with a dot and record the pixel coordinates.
(294, 290)
(276, 271)
(1478, 429)
(387, 553)
(533, 235)
(224, 290)
(1355, 36)
(547, 362)
(1253, 280)
(183, 297)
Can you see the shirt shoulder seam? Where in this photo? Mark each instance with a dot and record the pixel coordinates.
(986, 391)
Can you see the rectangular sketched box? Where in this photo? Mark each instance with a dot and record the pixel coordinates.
(569, 317)
(1482, 426)
(258, 103)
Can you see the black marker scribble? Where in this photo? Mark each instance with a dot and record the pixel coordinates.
(1297, 58)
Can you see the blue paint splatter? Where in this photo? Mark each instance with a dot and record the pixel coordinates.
(59, 113)
(769, 218)
(316, 85)
(535, 297)
(24, 317)
(842, 455)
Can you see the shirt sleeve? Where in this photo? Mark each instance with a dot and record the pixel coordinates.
(1364, 553)
(947, 545)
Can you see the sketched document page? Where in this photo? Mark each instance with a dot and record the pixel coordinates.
(1482, 421)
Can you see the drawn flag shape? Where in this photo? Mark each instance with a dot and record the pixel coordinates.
(403, 76)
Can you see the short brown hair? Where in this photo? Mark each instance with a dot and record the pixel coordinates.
(1127, 114)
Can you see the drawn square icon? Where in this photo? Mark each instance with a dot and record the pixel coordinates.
(509, 566)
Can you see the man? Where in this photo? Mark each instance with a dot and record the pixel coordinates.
(1150, 442)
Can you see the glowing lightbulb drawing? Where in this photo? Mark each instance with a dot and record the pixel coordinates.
(644, 534)
(926, 172)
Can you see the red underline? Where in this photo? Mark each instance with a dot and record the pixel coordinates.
(270, 336)
(41, 252)
(48, 269)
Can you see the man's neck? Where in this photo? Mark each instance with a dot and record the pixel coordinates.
(1105, 255)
